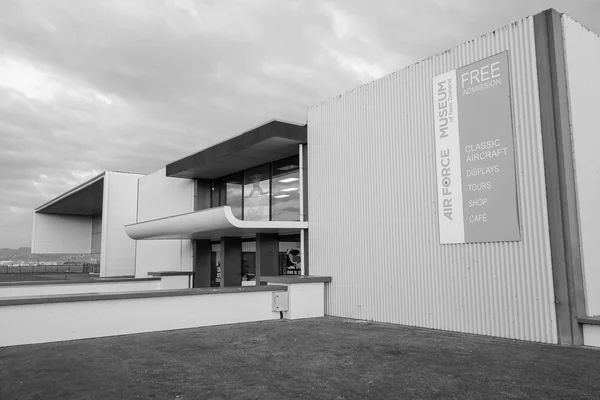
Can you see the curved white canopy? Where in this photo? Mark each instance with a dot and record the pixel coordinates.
(207, 224)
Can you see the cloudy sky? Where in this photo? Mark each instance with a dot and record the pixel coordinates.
(130, 85)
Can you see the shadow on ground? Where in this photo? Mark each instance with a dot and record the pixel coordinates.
(325, 358)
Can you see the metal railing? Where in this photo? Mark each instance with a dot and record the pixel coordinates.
(38, 272)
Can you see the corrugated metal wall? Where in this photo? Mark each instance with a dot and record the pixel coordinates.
(372, 207)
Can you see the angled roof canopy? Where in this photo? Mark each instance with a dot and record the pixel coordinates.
(85, 199)
(208, 224)
(267, 143)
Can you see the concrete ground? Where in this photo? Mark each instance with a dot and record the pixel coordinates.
(325, 358)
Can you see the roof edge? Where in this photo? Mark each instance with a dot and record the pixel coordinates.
(239, 134)
(72, 191)
(274, 128)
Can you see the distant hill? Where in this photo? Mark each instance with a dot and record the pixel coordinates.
(24, 254)
(25, 251)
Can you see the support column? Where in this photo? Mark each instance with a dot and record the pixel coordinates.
(304, 209)
(304, 251)
(565, 245)
(231, 261)
(303, 182)
(202, 263)
(267, 255)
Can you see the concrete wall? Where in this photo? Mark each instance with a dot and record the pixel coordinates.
(83, 287)
(160, 196)
(591, 335)
(117, 250)
(176, 282)
(41, 323)
(373, 207)
(61, 234)
(96, 236)
(305, 300)
(582, 59)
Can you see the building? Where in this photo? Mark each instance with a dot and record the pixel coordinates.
(231, 211)
(236, 203)
(457, 194)
(89, 219)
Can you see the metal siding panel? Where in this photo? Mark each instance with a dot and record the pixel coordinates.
(372, 201)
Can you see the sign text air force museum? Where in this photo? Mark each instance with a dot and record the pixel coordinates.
(477, 195)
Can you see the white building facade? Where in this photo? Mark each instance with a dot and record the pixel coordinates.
(375, 207)
(456, 194)
(89, 220)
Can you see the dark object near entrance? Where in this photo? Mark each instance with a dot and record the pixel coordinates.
(292, 266)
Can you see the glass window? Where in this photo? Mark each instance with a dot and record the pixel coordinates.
(248, 266)
(228, 192)
(218, 191)
(286, 190)
(256, 193)
(215, 270)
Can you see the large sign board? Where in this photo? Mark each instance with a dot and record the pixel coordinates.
(476, 180)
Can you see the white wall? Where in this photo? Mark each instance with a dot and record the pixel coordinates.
(591, 335)
(176, 282)
(96, 235)
(305, 300)
(160, 196)
(372, 206)
(74, 288)
(61, 234)
(582, 59)
(117, 256)
(41, 323)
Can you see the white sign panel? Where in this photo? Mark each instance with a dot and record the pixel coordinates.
(475, 161)
(450, 207)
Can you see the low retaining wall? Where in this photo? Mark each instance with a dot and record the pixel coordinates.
(591, 330)
(306, 294)
(591, 335)
(45, 288)
(41, 319)
(175, 279)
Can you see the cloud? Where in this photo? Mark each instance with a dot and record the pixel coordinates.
(88, 86)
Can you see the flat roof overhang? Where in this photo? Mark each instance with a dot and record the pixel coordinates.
(267, 143)
(207, 224)
(85, 199)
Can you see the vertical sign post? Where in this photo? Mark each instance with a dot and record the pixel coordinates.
(476, 180)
